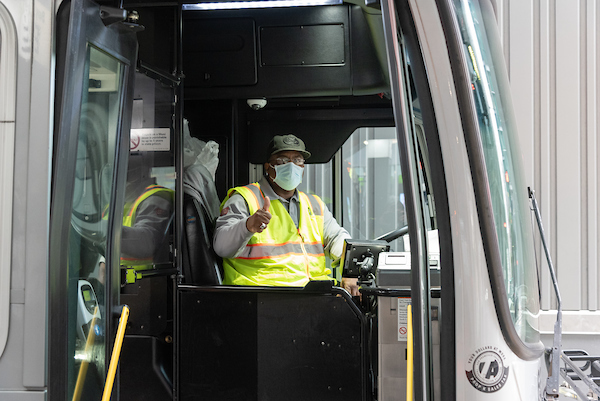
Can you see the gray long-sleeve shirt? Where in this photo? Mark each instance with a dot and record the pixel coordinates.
(152, 218)
(232, 235)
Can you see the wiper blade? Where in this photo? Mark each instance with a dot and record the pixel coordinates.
(552, 355)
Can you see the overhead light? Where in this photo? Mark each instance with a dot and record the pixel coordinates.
(233, 5)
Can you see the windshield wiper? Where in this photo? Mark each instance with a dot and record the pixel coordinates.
(553, 354)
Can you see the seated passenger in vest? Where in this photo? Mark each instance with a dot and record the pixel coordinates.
(270, 234)
(146, 216)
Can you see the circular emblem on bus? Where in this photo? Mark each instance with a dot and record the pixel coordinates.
(489, 372)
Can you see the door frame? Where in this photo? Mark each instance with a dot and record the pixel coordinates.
(79, 24)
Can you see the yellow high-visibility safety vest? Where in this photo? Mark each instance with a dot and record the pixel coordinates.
(282, 255)
(129, 214)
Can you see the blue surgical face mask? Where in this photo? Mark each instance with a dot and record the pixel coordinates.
(288, 176)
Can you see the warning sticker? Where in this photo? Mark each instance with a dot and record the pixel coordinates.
(150, 139)
(403, 318)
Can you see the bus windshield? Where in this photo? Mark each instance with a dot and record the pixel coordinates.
(497, 127)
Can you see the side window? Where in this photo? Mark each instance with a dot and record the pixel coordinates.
(370, 201)
(149, 194)
(8, 78)
(372, 190)
(371, 195)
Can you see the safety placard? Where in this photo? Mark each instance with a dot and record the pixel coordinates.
(403, 318)
(150, 139)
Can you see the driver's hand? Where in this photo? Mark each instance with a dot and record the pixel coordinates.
(351, 285)
(259, 220)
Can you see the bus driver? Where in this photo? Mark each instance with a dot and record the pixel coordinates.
(270, 234)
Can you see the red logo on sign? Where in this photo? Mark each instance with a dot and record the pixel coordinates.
(134, 142)
(402, 330)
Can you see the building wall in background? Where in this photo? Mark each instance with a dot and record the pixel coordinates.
(553, 60)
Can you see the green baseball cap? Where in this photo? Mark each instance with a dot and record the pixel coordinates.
(280, 143)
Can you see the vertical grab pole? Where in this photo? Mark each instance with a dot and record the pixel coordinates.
(84, 364)
(409, 355)
(114, 359)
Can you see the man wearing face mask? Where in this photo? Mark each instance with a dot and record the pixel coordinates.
(271, 234)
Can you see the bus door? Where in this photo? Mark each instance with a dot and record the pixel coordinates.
(96, 52)
(427, 218)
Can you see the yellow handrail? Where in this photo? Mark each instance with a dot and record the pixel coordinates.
(84, 363)
(114, 359)
(409, 355)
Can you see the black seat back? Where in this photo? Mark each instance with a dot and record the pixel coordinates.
(201, 265)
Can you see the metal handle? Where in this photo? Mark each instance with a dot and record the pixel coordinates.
(409, 355)
(114, 359)
(84, 364)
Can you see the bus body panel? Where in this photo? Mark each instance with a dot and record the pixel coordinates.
(22, 365)
(8, 71)
(477, 327)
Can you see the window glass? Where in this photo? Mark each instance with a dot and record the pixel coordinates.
(507, 188)
(318, 179)
(89, 224)
(373, 201)
(372, 195)
(149, 194)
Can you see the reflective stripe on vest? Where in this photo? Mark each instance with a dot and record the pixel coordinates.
(252, 194)
(129, 214)
(282, 255)
(263, 251)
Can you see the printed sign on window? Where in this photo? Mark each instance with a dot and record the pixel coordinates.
(150, 139)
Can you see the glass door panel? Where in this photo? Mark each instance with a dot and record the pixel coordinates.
(94, 76)
(96, 148)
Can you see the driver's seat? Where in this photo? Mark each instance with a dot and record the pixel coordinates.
(201, 265)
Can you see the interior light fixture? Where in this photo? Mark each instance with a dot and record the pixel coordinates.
(233, 5)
